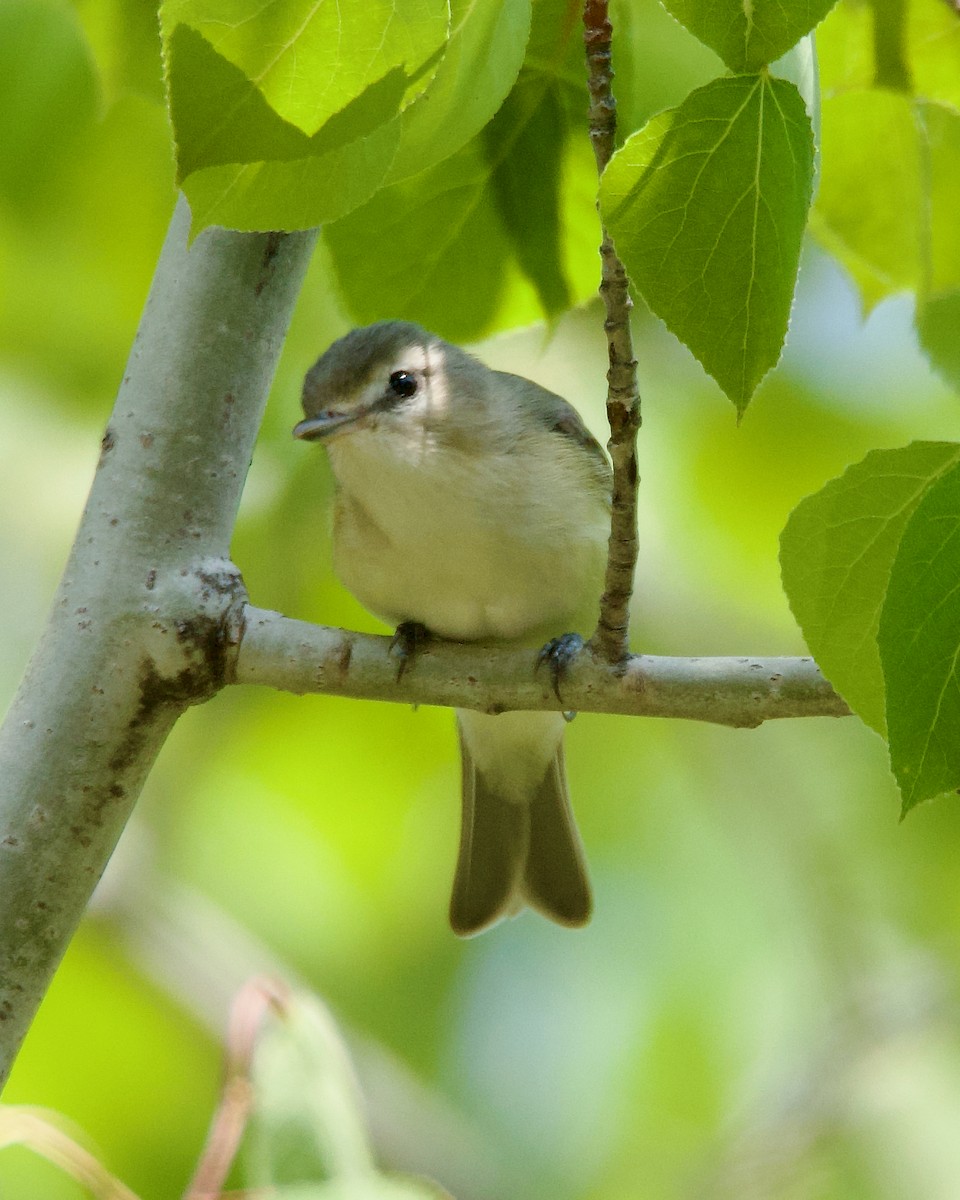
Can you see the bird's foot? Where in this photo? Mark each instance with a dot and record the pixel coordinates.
(408, 640)
(559, 654)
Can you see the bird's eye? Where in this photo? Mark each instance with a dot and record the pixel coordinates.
(403, 384)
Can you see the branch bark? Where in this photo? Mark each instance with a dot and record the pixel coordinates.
(149, 605)
(741, 692)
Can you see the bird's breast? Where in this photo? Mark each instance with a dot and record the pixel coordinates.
(473, 550)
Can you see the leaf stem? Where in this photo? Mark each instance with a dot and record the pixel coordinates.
(610, 639)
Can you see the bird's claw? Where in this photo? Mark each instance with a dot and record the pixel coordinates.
(558, 654)
(408, 640)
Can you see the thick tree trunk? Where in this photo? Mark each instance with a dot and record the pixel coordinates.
(149, 604)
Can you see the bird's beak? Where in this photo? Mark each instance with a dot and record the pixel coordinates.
(325, 424)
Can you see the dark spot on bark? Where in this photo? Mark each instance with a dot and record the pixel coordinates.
(151, 578)
(207, 640)
(210, 640)
(83, 838)
(146, 440)
(117, 791)
(346, 654)
(10, 840)
(274, 241)
(114, 520)
(226, 415)
(107, 443)
(156, 693)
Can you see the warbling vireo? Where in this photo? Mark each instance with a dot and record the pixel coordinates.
(474, 503)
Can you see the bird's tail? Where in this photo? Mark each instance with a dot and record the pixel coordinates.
(518, 840)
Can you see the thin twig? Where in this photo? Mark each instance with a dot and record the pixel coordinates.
(610, 638)
(254, 1000)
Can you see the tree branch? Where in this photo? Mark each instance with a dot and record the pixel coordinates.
(743, 692)
(149, 606)
(623, 397)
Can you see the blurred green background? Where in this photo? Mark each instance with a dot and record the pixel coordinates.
(765, 1004)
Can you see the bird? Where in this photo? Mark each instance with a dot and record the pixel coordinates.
(472, 505)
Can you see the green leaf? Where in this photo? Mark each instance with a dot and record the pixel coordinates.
(125, 40)
(707, 206)
(246, 165)
(483, 240)
(861, 45)
(939, 134)
(311, 58)
(483, 58)
(286, 113)
(524, 144)
(435, 248)
(430, 249)
(836, 556)
(891, 218)
(298, 194)
(933, 39)
(246, 168)
(308, 1137)
(753, 33)
(938, 307)
(845, 48)
(919, 640)
(645, 32)
(938, 324)
(308, 1121)
(219, 116)
(868, 206)
(47, 96)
